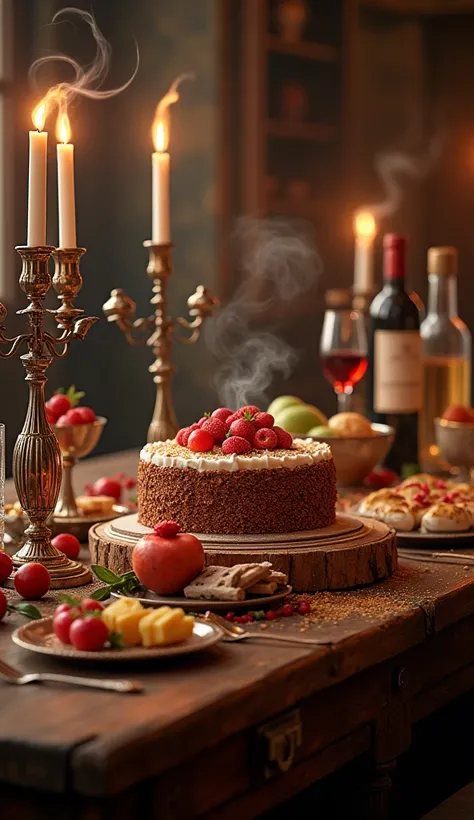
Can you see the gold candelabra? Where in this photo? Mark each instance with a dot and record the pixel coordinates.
(37, 463)
(121, 310)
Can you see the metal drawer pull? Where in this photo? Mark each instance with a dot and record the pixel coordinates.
(283, 737)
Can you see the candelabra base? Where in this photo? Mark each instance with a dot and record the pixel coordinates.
(64, 572)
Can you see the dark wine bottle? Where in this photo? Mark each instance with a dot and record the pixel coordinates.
(395, 374)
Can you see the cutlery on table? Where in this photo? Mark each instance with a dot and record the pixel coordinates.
(11, 675)
(234, 632)
(436, 557)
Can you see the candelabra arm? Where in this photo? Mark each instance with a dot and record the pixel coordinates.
(15, 344)
(201, 305)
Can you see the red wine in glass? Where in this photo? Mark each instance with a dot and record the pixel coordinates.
(344, 368)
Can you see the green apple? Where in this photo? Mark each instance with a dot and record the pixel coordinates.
(299, 418)
(321, 432)
(281, 402)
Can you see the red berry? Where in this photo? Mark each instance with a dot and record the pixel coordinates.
(288, 609)
(86, 414)
(230, 616)
(263, 420)
(184, 433)
(304, 608)
(167, 529)
(58, 405)
(216, 428)
(71, 417)
(284, 439)
(62, 623)
(88, 634)
(248, 410)
(279, 612)
(67, 543)
(222, 413)
(243, 428)
(237, 445)
(89, 605)
(32, 581)
(3, 604)
(245, 619)
(50, 416)
(250, 617)
(6, 566)
(107, 486)
(230, 419)
(271, 615)
(265, 439)
(129, 483)
(202, 420)
(200, 441)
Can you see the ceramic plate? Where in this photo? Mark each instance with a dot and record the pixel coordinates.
(148, 598)
(38, 636)
(417, 538)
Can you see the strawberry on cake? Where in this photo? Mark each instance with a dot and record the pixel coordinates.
(237, 473)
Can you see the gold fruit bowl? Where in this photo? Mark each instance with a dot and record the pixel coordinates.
(356, 456)
(75, 441)
(456, 445)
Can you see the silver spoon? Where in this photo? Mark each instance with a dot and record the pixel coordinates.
(234, 632)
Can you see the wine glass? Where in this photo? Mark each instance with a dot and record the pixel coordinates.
(343, 352)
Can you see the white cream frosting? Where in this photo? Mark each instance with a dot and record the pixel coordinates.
(304, 453)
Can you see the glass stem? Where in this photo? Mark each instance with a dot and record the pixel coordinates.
(343, 402)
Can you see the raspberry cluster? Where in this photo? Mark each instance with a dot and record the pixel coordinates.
(249, 428)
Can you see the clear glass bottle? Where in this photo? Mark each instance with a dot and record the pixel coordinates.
(446, 352)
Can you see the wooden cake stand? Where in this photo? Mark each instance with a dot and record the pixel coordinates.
(352, 552)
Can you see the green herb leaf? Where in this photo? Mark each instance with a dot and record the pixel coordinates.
(101, 594)
(28, 610)
(116, 640)
(105, 575)
(74, 395)
(69, 599)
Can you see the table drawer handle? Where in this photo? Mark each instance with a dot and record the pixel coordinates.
(283, 736)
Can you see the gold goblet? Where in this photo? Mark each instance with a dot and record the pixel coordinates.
(75, 441)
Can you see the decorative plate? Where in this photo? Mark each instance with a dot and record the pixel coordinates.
(148, 598)
(38, 636)
(417, 538)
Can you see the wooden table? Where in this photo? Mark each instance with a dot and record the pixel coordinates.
(206, 737)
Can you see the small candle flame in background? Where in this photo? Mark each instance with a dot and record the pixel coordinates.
(364, 225)
(161, 122)
(86, 82)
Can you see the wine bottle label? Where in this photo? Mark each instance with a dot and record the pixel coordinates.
(398, 371)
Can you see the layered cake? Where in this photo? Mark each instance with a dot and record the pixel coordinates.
(260, 490)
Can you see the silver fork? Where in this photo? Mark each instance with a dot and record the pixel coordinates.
(234, 632)
(11, 675)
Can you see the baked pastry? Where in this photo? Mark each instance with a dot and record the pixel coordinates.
(374, 501)
(262, 491)
(397, 514)
(445, 517)
(95, 504)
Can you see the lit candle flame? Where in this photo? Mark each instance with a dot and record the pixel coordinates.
(160, 136)
(364, 225)
(63, 128)
(39, 116)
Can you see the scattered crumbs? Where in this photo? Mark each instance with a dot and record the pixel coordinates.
(263, 626)
(427, 569)
(466, 567)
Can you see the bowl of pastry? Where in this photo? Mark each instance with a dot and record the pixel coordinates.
(357, 445)
(423, 504)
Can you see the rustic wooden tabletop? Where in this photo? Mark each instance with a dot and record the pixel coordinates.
(97, 743)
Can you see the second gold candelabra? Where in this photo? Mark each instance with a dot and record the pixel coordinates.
(121, 310)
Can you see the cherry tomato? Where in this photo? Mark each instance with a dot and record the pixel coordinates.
(304, 608)
(58, 405)
(67, 543)
(87, 414)
(89, 605)
(32, 581)
(288, 610)
(62, 608)
(62, 623)
(3, 604)
(88, 634)
(6, 566)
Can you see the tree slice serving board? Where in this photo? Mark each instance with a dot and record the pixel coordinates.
(351, 552)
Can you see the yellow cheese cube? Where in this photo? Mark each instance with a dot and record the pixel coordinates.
(166, 626)
(146, 624)
(119, 607)
(127, 625)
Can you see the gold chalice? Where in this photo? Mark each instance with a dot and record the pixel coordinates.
(75, 441)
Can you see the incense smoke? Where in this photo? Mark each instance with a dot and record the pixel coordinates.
(392, 164)
(279, 262)
(86, 81)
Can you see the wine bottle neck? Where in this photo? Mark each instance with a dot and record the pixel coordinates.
(442, 295)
